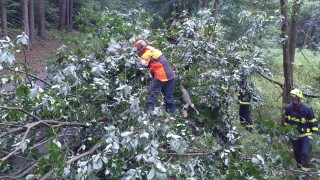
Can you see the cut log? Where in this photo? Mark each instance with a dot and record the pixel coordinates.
(187, 100)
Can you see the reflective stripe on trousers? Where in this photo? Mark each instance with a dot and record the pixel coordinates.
(301, 150)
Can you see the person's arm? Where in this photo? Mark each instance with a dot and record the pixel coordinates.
(313, 123)
(143, 62)
(145, 59)
(286, 116)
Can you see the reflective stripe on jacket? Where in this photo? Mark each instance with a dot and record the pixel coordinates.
(158, 64)
(303, 117)
(244, 97)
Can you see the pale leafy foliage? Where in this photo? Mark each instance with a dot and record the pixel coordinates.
(115, 138)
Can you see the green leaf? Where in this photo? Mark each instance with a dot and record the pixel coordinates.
(11, 58)
(4, 56)
(23, 91)
(151, 174)
(35, 92)
(24, 40)
(30, 177)
(161, 168)
(93, 177)
(98, 164)
(161, 176)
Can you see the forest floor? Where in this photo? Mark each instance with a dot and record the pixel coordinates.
(36, 59)
(40, 52)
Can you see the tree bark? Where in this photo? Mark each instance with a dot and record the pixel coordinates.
(187, 100)
(42, 19)
(62, 14)
(294, 29)
(182, 4)
(204, 3)
(287, 64)
(216, 11)
(67, 14)
(31, 21)
(310, 31)
(25, 18)
(4, 21)
(71, 15)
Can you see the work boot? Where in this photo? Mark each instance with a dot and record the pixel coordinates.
(305, 176)
(249, 128)
(298, 166)
(306, 171)
(243, 123)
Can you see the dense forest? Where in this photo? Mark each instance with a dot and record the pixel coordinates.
(85, 117)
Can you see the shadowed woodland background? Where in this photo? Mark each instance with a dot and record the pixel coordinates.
(72, 108)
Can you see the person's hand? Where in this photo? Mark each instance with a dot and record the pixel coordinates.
(138, 73)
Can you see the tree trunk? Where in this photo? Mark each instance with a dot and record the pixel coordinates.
(25, 18)
(182, 4)
(42, 19)
(189, 6)
(4, 21)
(62, 14)
(294, 29)
(216, 11)
(67, 14)
(204, 3)
(71, 15)
(310, 31)
(287, 64)
(31, 21)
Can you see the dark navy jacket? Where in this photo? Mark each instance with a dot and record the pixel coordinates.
(245, 93)
(303, 117)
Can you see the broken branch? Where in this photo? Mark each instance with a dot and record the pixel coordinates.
(187, 100)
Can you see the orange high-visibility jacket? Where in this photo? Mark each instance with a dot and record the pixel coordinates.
(158, 64)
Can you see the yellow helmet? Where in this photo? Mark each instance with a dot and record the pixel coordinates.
(296, 93)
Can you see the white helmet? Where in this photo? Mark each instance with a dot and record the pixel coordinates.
(296, 93)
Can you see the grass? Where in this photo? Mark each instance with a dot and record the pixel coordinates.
(306, 78)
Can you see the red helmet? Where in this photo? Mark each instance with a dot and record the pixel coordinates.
(140, 45)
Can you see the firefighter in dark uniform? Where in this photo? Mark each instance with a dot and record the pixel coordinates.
(297, 113)
(244, 101)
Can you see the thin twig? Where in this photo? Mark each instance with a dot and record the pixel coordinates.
(192, 154)
(13, 131)
(10, 154)
(48, 174)
(46, 122)
(22, 110)
(25, 67)
(271, 80)
(36, 77)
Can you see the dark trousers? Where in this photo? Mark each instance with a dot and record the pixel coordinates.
(301, 150)
(244, 114)
(167, 88)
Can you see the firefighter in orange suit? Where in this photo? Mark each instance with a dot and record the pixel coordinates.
(163, 76)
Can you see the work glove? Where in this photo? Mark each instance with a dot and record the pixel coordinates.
(138, 73)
